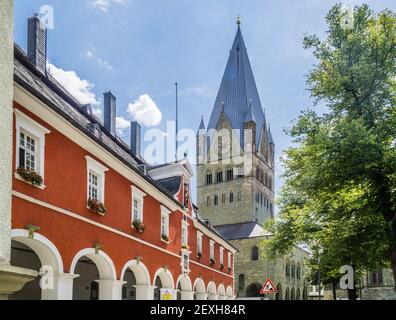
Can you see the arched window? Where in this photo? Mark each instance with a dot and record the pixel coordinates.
(257, 173)
(298, 295)
(262, 177)
(270, 183)
(279, 293)
(298, 271)
(223, 198)
(241, 282)
(216, 200)
(219, 176)
(292, 295)
(231, 197)
(287, 269)
(239, 195)
(266, 180)
(293, 270)
(208, 201)
(255, 253)
(253, 290)
(287, 295)
(209, 178)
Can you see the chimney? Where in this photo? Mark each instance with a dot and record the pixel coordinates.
(37, 43)
(135, 138)
(109, 110)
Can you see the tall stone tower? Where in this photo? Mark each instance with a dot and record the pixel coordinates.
(235, 153)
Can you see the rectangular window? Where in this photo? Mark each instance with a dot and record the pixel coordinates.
(28, 151)
(211, 249)
(137, 205)
(30, 144)
(209, 178)
(93, 189)
(164, 222)
(221, 255)
(229, 260)
(184, 233)
(95, 179)
(199, 243)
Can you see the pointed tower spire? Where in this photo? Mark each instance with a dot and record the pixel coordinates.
(239, 92)
(202, 124)
(250, 115)
(270, 139)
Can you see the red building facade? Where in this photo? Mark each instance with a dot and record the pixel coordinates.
(98, 221)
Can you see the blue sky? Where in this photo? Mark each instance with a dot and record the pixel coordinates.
(137, 47)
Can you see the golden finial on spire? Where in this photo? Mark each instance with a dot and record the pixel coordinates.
(238, 21)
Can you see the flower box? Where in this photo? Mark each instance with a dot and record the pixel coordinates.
(139, 226)
(165, 238)
(30, 176)
(96, 206)
(212, 261)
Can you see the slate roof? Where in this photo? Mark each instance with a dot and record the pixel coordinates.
(172, 184)
(242, 230)
(238, 91)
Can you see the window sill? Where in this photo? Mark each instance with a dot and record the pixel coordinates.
(164, 241)
(42, 186)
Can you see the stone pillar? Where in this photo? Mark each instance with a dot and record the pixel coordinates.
(65, 286)
(144, 292)
(110, 289)
(6, 99)
(12, 279)
(201, 296)
(187, 295)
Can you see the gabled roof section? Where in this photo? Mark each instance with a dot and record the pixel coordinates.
(242, 230)
(238, 91)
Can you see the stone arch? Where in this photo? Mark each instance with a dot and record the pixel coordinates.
(184, 288)
(229, 293)
(211, 290)
(139, 269)
(298, 294)
(279, 293)
(103, 262)
(47, 252)
(287, 294)
(293, 294)
(199, 289)
(221, 292)
(166, 278)
(48, 256)
(253, 290)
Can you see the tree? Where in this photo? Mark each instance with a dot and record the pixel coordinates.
(339, 193)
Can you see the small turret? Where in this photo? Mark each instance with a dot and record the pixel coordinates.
(201, 143)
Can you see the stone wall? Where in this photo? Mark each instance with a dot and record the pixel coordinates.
(6, 97)
(258, 271)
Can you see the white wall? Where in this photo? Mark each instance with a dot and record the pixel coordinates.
(6, 96)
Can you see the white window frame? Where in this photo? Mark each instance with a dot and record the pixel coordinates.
(184, 232)
(229, 260)
(199, 242)
(211, 249)
(35, 130)
(138, 195)
(99, 170)
(222, 256)
(164, 214)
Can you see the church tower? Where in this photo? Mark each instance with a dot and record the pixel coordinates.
(235, 152)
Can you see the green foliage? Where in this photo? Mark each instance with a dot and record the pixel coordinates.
(339, 195)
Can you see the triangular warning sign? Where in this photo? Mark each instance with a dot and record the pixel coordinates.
(268, 287)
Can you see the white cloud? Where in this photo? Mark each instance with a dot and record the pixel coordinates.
(104, 5)
(80, 89)
(122, 124)
(145, 111)
(102, 63)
